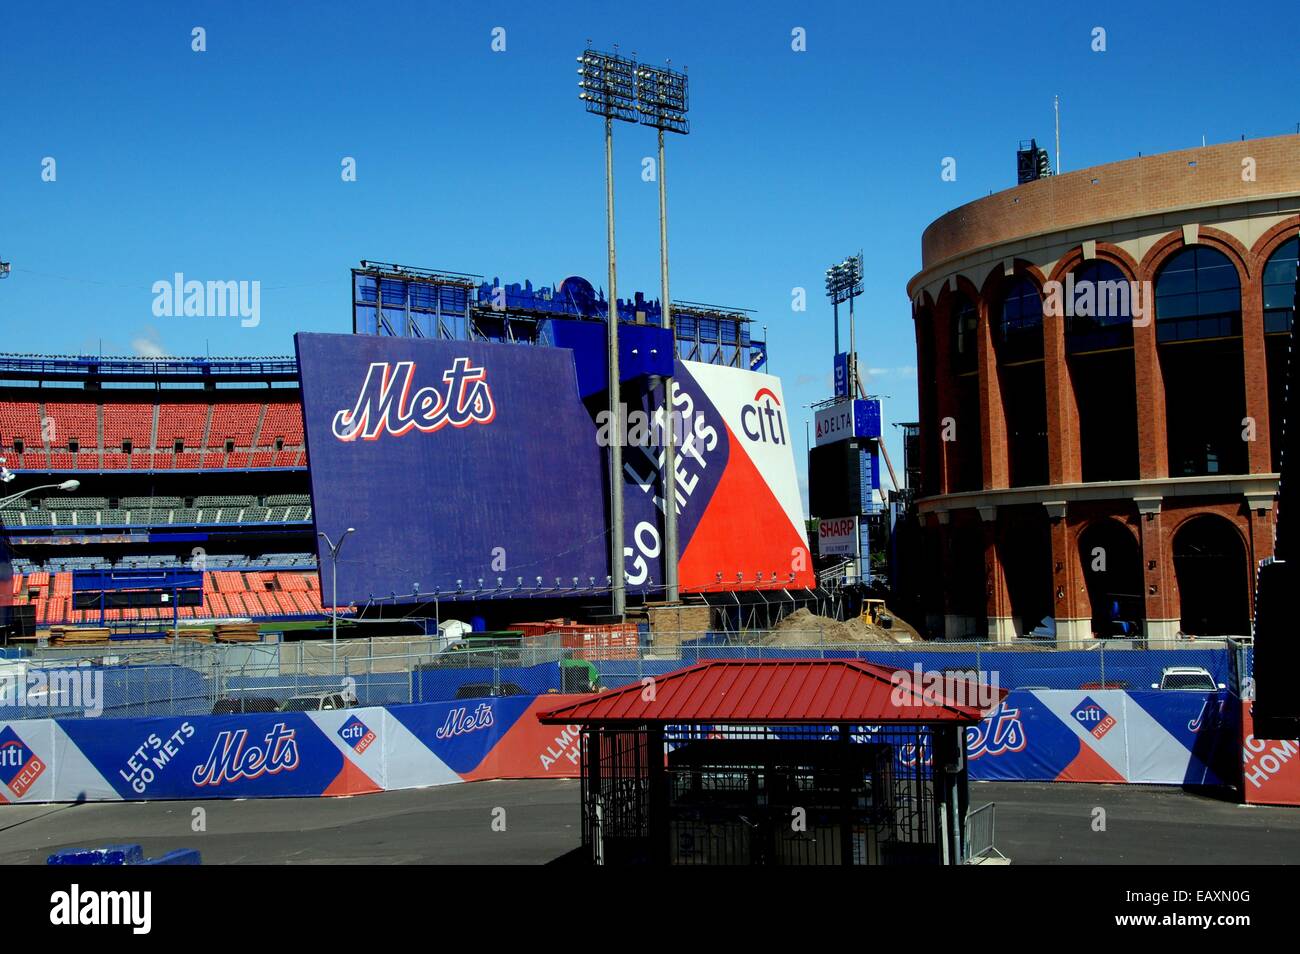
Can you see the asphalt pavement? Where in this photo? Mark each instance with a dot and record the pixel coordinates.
(534, 822)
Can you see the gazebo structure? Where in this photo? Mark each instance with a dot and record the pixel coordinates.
(766, 761)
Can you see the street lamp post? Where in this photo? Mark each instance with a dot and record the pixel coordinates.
(662, 101)
(608, 89)
(334, 594)
(67, 485)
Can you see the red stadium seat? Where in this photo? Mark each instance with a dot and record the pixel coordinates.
(235, 421)
(282, 422)
(79, 422)
(128, 422)
(181, 422)
(21, 421)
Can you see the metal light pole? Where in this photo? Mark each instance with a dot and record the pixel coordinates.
(334, 595)
(608, 90)
(662, 101)
(618, 580)
(843, 284)
(67, 485)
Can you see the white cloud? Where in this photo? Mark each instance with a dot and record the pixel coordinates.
(148, 344)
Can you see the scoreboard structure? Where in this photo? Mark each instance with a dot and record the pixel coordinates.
(844, 477)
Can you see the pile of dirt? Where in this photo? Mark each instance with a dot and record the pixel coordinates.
(803, 627)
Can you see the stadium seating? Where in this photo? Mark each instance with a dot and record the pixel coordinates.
(256, 594)
(68, 511)
(235, 434)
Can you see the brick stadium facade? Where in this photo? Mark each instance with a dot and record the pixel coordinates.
(1116, 470)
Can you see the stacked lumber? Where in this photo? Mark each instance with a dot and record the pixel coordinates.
(194, 635)
(237, 633)
(77, 635)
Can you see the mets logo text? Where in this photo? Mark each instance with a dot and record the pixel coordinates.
(232, 759)
(386, 404)
(1093, 718)
(355, 733)
(20, 767)
(999, 734)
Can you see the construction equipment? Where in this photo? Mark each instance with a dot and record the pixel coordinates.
(873, 611)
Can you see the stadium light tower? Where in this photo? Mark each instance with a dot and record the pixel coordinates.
(843, 284)
(608, 88)
(334, 596)
(662, 101)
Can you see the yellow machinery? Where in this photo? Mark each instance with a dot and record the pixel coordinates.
(873, 611)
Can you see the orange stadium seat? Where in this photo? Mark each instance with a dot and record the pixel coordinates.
(282, 422)
(73, 422)
(261, 435)
(181, 422)
(128, 422)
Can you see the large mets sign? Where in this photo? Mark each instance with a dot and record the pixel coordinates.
(475, 470)
(387, 406)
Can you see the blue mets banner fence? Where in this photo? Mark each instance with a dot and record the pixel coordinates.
(1100, 735)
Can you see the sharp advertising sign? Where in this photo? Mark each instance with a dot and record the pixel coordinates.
(476, 469)
(837, 537)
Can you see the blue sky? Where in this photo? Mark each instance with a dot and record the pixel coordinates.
(226, 164)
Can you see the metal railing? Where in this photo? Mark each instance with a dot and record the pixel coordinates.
(980, 833)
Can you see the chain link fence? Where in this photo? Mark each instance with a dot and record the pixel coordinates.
(184, 677)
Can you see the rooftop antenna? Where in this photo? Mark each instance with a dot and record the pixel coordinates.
(1056, 105)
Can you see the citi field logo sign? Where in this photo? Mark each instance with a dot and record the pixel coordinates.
(357, 734)
(20, 767)
(763, 420)
(1093, 718)
(386, 404)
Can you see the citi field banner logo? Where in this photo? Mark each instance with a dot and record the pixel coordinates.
(356, 734)
(386, 404)
(232, 759)
(20, 767)
(1093, 718)
(763, 420)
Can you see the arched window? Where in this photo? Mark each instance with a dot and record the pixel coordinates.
(1279, 287)
(1021, 327)
(1198, 295)
(1099, 312)
(1213, 577)
(965, 322)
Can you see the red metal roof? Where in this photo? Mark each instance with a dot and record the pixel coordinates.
(772, 691)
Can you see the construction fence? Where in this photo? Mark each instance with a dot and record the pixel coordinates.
(180, 677)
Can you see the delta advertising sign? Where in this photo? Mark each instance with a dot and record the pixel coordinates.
(475, 470)
(856, 418)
